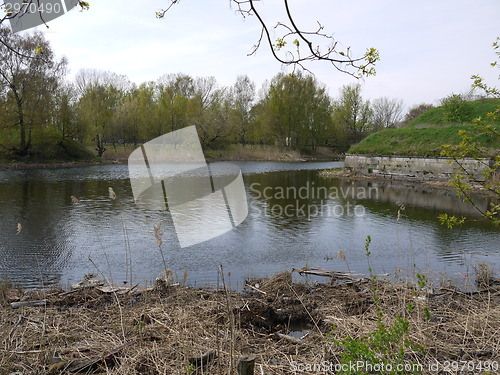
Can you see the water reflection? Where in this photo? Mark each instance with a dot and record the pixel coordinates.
(296, 218)
(41, 250)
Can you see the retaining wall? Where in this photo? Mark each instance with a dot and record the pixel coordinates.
(413, 168)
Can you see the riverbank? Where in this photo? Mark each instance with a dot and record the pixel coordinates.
(237, 153)
(270, 153)
(289, 328)
(56, 164)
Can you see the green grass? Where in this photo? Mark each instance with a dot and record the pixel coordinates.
(436, 116)
(253, 152)
(420, 142)
(47, 146)
(426, 134)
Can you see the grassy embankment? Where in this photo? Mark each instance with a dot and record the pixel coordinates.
(426, 134)
(231, 153)
(46, 147)
(237, 152)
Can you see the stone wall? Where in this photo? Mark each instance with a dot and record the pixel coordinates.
(413, 168)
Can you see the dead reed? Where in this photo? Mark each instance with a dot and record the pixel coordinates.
(169, 329)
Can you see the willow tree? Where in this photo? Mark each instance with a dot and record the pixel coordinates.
(298, 110)
(29, 78)
(174, 92)
(100, 94)
(243, 93)
(352, 113)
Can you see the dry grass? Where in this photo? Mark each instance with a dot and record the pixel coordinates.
(164, 328)
(254, 153)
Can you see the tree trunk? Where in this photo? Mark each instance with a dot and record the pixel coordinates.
(99, 146)
(246, 365)
(23, 148)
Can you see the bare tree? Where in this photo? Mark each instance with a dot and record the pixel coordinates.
(211, 111)
(416, 111)
(386, 113)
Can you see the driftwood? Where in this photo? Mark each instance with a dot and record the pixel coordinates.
(88, 365)
(204, 359)
(16, 305)
(325, 273)
(119, 290)
(88, 282)
(245, 365)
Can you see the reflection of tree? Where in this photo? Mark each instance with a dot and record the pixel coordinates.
(39, 253)
(279, 196)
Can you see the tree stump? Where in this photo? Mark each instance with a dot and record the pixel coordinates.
(246, 365)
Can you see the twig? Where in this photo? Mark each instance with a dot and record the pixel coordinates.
(256, 289)
(231, 321)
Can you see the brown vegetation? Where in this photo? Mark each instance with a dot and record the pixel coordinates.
(169, 329)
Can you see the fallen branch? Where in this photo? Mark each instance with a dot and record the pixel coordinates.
(256, 289)
(293, 340)
(88, 365)
(324, 273)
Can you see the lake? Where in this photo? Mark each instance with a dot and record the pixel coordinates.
(296, 219)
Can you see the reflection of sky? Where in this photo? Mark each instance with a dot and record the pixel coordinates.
(58, 238)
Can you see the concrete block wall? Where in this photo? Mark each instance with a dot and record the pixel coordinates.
(413, 168)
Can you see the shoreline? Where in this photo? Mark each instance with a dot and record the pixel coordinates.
(55, 164)
(5, 166)
(284, 325)
(438, 184)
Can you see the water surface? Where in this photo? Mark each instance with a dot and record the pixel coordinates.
(296, 218)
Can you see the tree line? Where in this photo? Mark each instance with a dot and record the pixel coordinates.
(104, 108)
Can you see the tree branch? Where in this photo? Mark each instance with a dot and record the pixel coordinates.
(341, 60)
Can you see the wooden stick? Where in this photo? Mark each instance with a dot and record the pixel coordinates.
(256, 289)
(16, 305)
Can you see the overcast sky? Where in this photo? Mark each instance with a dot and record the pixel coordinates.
(428, 48)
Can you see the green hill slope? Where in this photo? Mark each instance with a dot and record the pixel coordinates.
(419, 142)
(425, 135)
(47, 147)
(436, 116)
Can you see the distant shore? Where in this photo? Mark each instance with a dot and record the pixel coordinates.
(55, 164)
(250, 154)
